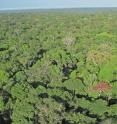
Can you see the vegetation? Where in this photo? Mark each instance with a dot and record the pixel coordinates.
(58, 68)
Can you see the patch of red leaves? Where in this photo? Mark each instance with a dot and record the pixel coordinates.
(102, 86)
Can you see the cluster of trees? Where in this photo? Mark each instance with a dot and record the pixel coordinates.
(58, 68)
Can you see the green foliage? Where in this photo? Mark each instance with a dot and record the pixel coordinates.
(50, 64)
(79, 118)
(114, 90)
(20, 76)
(108, 70)
(1, 103)
(22, 110)
(99, 107)
(75, 85)
(4, 46)
(4, 77)
(73, 75)
(113, 110)
(104, 35)
(48, 112)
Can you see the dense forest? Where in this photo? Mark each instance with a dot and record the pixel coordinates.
(58, 68)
